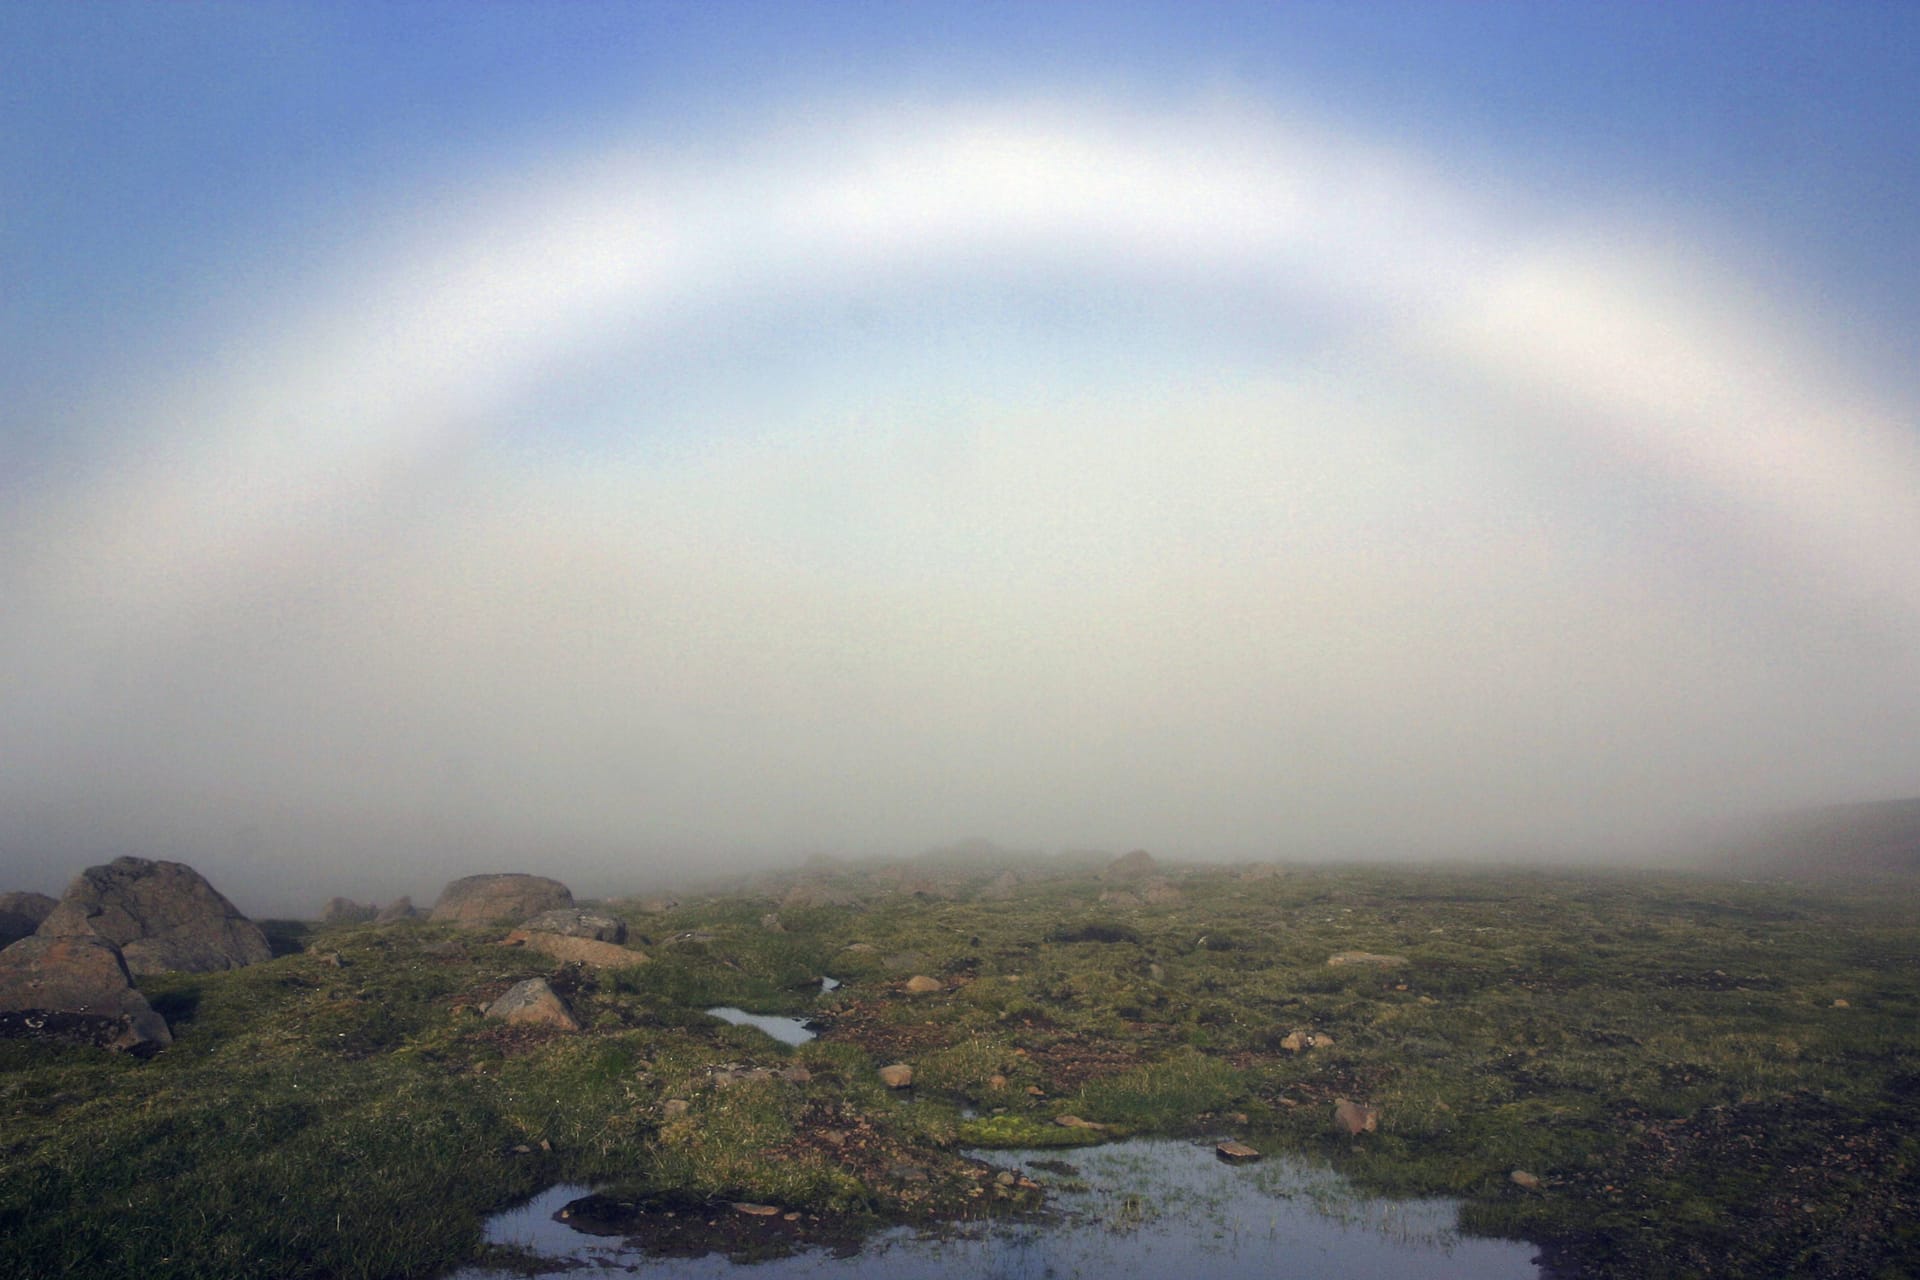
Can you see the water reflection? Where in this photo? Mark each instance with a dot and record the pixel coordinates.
(786, 1030)
(1138, 1209)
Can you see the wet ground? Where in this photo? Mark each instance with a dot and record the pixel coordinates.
(1144, 1208)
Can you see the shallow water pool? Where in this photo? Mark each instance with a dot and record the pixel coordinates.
(1126, 1211)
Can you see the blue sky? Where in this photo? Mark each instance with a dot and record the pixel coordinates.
(654, 432)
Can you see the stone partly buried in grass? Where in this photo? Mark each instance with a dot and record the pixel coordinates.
(1355, 1118)
(1295, 1041)
(1343, 958)
(574, 950)
(897, 1076)
(1236, 1153)
(920, 984)
(579, 922)
(533, 1003)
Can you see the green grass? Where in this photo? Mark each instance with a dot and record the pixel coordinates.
(1663, 1052)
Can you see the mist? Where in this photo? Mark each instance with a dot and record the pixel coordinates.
(1210, 478)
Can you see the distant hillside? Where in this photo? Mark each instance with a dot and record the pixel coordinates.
(1881, 838)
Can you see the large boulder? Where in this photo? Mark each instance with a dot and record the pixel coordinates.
(347, 911)
(21, 914)
(401, 908)
(76, 987)
(1138, 865)
(578, 922)
(475, 901)
(162, 915)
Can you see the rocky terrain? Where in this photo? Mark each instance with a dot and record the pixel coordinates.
(1640, 1074)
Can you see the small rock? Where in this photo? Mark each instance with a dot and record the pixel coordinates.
(1354, 1118)
(996, 1081)
(1320, 1041)
(673, 1108)
(1295, 1041)
(756, 1210)
(1527, 1181)
(534, 1002)
(920, 984)
(1004, 1178)
(1364, 957)
(1236, 1152)
(897, 1076)
(1842, 1003)
(1075, 1122)
(1035, 1091)
(797, 1075)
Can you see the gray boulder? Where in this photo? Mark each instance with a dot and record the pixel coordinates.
(401, 908)
(534, 1003)
(76, 987)
(1138, 865)
(347, 911)
(578, 922)
(476, 901)
(21, 914)
(162, 915)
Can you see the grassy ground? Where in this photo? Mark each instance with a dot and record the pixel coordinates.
(1704, 1077)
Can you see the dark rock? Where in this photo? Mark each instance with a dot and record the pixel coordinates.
(21, 914)
(476, 901)
(347, 911)
(80, 983)
(163, 916)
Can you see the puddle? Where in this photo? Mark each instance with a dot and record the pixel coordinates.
(1127, 1211)
(785, 1030)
